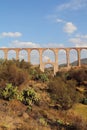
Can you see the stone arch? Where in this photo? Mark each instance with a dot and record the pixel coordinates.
(62, 60)
(23, 55)
(73, 57)
(83, 55)
(2, 54)
(48, 55)
(34, 57)
(11, 54)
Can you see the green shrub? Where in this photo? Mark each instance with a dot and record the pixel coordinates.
(84, 101)
(43, 77)
(28, 97)
(9, 92)
(42, 121)
(38, 75)
(1, 61)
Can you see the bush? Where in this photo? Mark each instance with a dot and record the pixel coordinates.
(63, 75)
(23, 65)
(28, 97)
(63, 93)
(19, 72)
(10, 73)
(43, 122)
(79, 75)
(1, 61)
(9, 92)
(38, 75)
(84, 101)
(43, 77)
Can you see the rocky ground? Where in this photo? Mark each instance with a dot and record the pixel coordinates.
(14, 115)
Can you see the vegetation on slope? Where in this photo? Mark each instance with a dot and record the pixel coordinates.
(33, 100)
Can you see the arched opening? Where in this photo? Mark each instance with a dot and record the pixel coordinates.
(48, 55)
(73, 57)
(23, 55)
(84, 57)
(1, 54)
(49, 69)
(62, 62)
(34, 57)
(11, 54)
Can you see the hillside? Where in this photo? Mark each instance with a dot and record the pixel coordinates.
(83, 62)
(32, 100)
(75, 63)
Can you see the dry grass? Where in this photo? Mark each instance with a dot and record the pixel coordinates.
(80, 109)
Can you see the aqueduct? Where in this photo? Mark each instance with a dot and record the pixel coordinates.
(41, 51)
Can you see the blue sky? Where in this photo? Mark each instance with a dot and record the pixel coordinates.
(43, 23)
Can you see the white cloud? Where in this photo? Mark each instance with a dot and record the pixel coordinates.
(81, 36)
(53, 45)
(72, 5)
(60, 20)
(80, 41)
(11, 34)
(23, 44)
(46, 58)
(75, 40)
(55, 19)
(69, 28)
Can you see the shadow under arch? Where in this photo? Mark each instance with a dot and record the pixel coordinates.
(83, 56)
(62, 60)
(34, 57)
(11, 54)
(2, 54)
(73, 55)
(48, 55)
(23, 55)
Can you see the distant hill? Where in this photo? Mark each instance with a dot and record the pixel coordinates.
(83, 61)
(75, 63)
